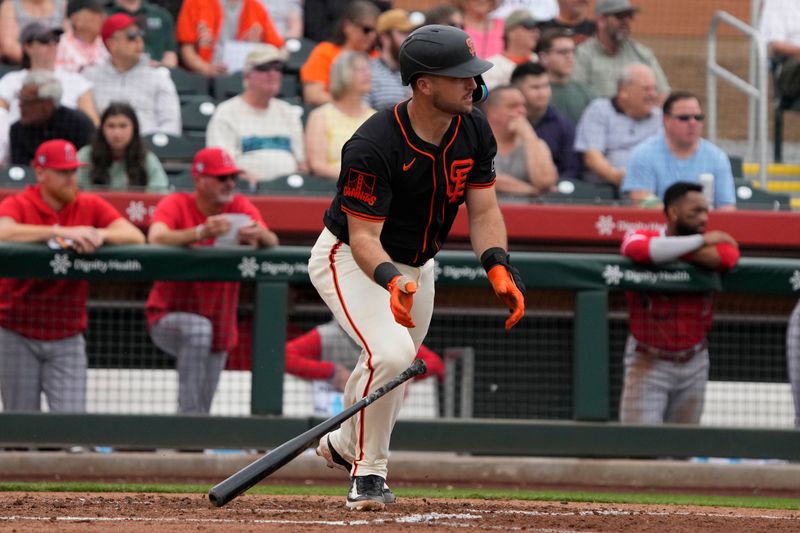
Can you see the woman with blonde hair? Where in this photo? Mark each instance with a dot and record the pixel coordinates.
(331, 125)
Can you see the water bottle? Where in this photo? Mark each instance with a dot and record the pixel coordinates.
(707, 181)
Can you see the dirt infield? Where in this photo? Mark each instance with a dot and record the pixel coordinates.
(124, 513)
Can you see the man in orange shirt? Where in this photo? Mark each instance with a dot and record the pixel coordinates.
(202, 31)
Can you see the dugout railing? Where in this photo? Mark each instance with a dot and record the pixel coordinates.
(577, 296)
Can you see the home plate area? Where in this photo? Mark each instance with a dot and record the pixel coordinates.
(123, 513)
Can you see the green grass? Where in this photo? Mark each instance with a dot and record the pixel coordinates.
(756, 502)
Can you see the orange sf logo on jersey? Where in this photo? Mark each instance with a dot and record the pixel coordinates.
(457, 182)
(360, 186)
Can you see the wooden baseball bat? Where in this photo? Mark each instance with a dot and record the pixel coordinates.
(225, 491)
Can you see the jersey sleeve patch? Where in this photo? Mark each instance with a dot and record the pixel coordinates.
(360, 186)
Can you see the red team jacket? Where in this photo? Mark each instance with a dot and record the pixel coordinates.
(670, 321)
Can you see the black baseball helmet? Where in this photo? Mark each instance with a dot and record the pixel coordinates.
(443, 51)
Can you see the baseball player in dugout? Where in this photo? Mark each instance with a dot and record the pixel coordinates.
(405, 172)
(195, 321)
(666, 356)
(42, 348)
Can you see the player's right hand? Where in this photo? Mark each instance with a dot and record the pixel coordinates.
(711, 238)
(401, 298)
(216, 225)
(507, 288)
(85, 239)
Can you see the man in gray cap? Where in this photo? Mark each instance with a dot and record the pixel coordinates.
(599, 61)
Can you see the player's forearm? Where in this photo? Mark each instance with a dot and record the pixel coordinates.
(487, 230)
(368, 253)
(122, 232)
(664, 249)
(14, 232)
(180, 237)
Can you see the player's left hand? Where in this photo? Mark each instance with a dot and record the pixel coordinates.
(508, 286)
(401, 291)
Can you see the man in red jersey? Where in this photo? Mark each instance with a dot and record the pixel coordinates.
(42, 348)
(195, 322)
(666, 356)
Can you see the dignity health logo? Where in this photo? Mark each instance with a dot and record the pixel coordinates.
(614, 275)
(606, 225)
(61, 265)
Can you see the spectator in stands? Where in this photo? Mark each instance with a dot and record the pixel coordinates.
(158, 25)
(539, 10)
(117, 158)
(43, 118)
(599, 61)
(205, 26)
(550, 125)
(793, 359)
(42, 349)
(666, 356)
(326, 352)
(520, 36)
(127, 76)
(572, 16)
(332, 124)
(263, 133)
(16, 14)
(610, 129)
(780, 28)
(486, 32)
(557, 55)
(39, 53)
(81, 46)
(523, 162)
(287, 17)
(680, 154)
(320, 17)
(387, 87)
(446, 15)
(4, 144)
(355, 32)
(195, 321)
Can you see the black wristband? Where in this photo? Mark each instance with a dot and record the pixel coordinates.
(384, 273)
(492, 257)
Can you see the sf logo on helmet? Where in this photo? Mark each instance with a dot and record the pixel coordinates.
(471, 46)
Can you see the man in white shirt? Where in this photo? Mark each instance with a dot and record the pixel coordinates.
(520, 35)
(127, 76)
(780, 28)
(263, 133)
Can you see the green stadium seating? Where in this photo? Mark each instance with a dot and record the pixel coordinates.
(196, 112)
(751, 198)
(17, 176)
(298, 184)
(580, 192)
(227, 86)
(188, 83)
(175, 153)
(299, 50)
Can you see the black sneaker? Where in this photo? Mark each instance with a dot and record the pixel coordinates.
(366, 493)
(334, 460)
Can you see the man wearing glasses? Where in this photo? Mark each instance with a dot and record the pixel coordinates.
(599, 61)
(556, 52)
(195, 321)
(127, 76)
(680, 154)
(263, 133)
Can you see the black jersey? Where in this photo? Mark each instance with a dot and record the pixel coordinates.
(390, 175)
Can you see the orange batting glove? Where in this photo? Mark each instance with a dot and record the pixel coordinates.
(506, 282)
(402, 289)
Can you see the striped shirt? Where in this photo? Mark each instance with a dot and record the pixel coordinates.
(387, 87)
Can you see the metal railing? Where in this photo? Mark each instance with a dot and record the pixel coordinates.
(756, 88)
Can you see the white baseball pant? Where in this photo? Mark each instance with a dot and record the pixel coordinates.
(361, 307)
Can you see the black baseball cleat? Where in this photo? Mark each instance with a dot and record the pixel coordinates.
(335, 460)
(366, 493)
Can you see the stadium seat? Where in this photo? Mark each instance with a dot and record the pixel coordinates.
(17, 176)
(196, 111)
(227, 86)
(298, 184)
(188, 83)
(581, 192)
(290, 88)
(182, 181)
(299, 50)
(175, 153)
(750, 198)
(737, 166)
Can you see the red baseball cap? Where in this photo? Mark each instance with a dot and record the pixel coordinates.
(213, 162)
(57, 154)
(116, 22)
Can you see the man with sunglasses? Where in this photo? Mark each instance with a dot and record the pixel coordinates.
(679, 154)
(599, 61)
(127, 76)
(263, 133)
(195, 321)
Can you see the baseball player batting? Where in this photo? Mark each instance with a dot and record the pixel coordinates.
(666, 356)
(405, 172)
